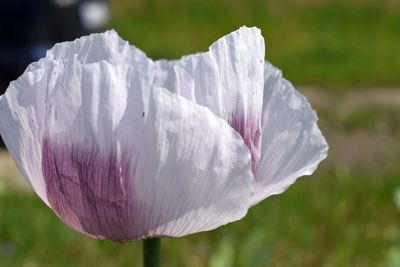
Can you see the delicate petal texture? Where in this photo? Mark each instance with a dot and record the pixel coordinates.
(122, 147)
(21, 126)
(228, 79)
(118, 158)
(292, 144)
(106, 46)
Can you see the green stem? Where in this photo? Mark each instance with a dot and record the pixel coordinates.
(151, 252)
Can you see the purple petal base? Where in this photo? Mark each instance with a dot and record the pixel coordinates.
(250, 130)
(91, 193)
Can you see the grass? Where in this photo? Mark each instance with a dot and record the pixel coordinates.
(374, 118)
(335, 219)
(345, 215)
(368, 118)
(333, 44)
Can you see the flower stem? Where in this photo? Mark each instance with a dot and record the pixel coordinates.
(151, 252)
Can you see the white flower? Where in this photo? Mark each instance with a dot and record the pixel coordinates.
(122, 147)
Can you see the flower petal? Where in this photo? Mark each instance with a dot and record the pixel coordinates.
(122, 159)
(21, 126)
(292, 144)
(107, 46)
(228, 79)
(175, 79)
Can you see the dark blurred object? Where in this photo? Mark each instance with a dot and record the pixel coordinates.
(29, 27)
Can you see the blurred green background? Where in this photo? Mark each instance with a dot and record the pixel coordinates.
(344, 56)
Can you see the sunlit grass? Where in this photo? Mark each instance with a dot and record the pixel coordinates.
(345, 215)
(331, 219)
(333, 44)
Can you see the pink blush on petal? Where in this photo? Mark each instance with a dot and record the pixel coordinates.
(90, 193)
(250, 130)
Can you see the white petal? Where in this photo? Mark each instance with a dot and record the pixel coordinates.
(175, 79)
(107, 46)
(122, 159)
(292, 144)
(21, 125)
(228, 79)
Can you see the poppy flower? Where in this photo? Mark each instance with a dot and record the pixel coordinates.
(123, 148)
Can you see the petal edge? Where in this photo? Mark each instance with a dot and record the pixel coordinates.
(292, 144)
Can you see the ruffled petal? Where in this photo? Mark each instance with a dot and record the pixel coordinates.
(21, 126)
(107, 46)
(292, 144)
(121, 159)
(228, 79)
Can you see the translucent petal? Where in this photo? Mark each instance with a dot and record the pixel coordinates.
(228, 79)
(122, 159)
(292, 144)
(21, 126)
(107, 46)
